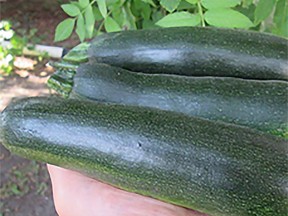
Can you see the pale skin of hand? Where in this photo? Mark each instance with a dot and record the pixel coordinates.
(76, 195)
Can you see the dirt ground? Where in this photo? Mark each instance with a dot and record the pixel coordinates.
(25, 188)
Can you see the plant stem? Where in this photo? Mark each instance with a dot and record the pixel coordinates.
(201, 13)
(102, 23)
(91, 3)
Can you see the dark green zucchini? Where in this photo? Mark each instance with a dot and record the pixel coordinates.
(257, 104)
(215, 168)
(195, 51)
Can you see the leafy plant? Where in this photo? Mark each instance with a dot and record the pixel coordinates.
(90, 18)
(11, 50)
(6, 54)
(19, 42)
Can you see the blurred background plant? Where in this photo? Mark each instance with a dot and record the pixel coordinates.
(14, 43)
(7, 54)
(89, 18)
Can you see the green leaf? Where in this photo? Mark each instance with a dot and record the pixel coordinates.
(227, 18)
(97, 14)
(84, 3)
(247, 11)
(138, 4)
(15, 190)
(146, 11)
(246, 3)
(118, 16)
(280, 12)
(282, 29)
(76, 3)
(80, 28)
(263, 10)
(17, 42)
(136, 7)
(281, 18)
(179, 19)
(212, 4)
(140, 9)
(148, 24)
(90, 21)
(129, 19)
(70, 9)
(111, 2)
(64, 29)
(115, 5)
(184, 5)
(111, 25)
(170, 5)
(102, 7)
(150, 2)
(157, 15)
(192, 1)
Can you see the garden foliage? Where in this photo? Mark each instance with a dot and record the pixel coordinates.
(89, 18)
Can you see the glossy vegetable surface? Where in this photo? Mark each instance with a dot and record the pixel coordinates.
(257, 104)
(195, 51)
(219, 169)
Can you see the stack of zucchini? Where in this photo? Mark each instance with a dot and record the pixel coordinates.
(196, 117)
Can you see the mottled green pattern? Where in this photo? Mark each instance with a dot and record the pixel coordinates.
(78, 54)
(195, 51)
(257, 104)
(220, 169)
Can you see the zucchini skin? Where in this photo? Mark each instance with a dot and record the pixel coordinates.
(215, 168)
(195, 51)
(78, 54)
(261, 105)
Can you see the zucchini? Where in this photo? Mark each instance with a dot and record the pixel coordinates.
(70, 62)
(212, 167)
(78, 54)
(257, 104)
(195, 51)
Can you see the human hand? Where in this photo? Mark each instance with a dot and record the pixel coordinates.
(77, 195)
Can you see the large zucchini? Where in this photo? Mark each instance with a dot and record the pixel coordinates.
(195, 51)
(257, 104)
(215, 168)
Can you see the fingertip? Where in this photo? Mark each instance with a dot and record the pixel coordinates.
(55, 170)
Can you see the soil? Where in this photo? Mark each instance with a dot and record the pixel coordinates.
(41, 16)
(25, 187)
